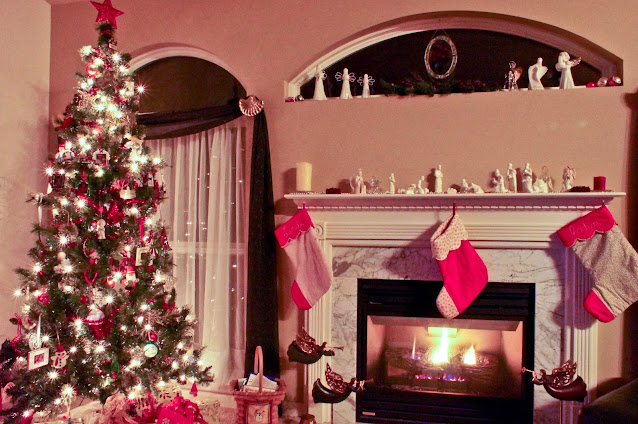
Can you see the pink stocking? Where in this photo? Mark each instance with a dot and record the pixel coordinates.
(313, 274)
(463, 270)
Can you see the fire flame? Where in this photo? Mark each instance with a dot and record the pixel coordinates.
(470, 356)
(441, 354)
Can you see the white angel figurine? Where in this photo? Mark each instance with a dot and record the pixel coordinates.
(564, 66)
(345, 78)
(498, 182)
(320, 93)
(511, 179)
(535, 73)
(438, 179)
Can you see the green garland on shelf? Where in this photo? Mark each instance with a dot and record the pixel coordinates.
(422, 87)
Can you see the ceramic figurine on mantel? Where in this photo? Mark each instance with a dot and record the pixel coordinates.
(345, 78)
(475, 188)
(392, 182)
(547, 178)
(569, 175)
(438, 180)
(365, 82)
(320, 93)
(511, 179)
(564, 66)
(464, 187)
(540, 186)
(498, 182)
(535, 73)
(357, 183)
(419, 186)
(526, 180)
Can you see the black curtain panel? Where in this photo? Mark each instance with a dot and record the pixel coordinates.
(261, 306)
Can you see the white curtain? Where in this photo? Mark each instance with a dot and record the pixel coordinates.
(205, 213)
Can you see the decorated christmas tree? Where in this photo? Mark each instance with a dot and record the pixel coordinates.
(99, 314)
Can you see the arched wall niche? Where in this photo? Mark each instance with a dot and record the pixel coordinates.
(607, 62)
(147, 55)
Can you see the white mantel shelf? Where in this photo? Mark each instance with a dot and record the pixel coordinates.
(472, 201)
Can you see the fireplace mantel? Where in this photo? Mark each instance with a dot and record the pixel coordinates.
(388, 237)
(474, 201)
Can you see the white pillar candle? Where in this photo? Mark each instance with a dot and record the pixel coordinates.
(304, 176)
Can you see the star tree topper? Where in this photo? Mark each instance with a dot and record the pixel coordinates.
(106, 12)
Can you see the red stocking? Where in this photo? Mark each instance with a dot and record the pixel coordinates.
(313, 274)
(463, 270)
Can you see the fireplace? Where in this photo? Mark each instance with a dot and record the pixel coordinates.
(428, 369)
(386, 238)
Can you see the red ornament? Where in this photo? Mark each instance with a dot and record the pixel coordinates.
(591, 84)
(44, 299)
(84, 299)
(106, 12)
(194, 389)
(99, 324)
(153, 336)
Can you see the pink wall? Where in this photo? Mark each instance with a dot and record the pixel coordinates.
(266, 42)
(24, 122)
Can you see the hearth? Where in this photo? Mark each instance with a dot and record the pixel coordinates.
(428, 369)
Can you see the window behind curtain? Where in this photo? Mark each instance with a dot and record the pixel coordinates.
(205, 213)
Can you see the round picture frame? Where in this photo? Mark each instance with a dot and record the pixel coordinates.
(428, 59)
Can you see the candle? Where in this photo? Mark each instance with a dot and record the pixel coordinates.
(414, 346)
(304, 176)
(599, 183)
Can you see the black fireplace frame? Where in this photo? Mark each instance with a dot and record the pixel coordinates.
(411, 298)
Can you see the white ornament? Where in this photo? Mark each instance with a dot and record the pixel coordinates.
(564, 66)
(320, 93)
(498, 182)
(569, 175)
(535, 73)
(59, 359)
(464, 188)
(419, 186)
(526, 180)
(540, 186)
(392, 181)
(345, 78)
(475, 188)
(511, 179)
(357, 184)
(438, 180)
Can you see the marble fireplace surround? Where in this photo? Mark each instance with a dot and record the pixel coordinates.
(387, 237)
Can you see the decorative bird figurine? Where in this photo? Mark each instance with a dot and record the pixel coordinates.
(561, 384)
(304, 349)
(337, 390)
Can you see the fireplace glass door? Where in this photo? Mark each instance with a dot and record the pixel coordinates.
(424, 368)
